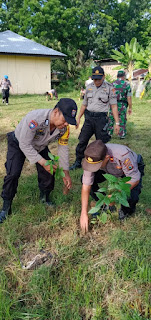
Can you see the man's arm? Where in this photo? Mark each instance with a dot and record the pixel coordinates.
(116, 118)
(83, 107)
(129, 100)
(85, 192)
(133, 184)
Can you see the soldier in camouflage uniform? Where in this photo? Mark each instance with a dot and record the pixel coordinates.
(124, 100)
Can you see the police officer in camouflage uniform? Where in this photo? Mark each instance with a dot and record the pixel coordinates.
(124, 101)
(114, 159)
(30, 140)
(98, 97)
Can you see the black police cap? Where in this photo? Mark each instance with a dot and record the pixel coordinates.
(69, 109)
(97, 73)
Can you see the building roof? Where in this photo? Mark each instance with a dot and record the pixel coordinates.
(105, 60)
(140, 72)
(13, 43)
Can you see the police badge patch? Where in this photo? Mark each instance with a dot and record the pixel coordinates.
(33, 124)
(73, 113)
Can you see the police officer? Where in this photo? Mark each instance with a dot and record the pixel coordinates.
(30, 140)
(99, 96)
(114, 159)
(6, 85)
(124, 101)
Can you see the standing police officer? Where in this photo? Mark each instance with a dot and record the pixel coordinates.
(114, 159)
(99, 96)
(6, 85)
(124, 101)
(30, 140)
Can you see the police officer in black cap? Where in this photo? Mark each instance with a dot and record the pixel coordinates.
(100, 95)
(30, 140)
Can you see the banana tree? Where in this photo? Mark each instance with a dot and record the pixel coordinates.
(144, 60)
(127, 55)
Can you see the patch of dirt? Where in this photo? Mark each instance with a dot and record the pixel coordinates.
(32, 258)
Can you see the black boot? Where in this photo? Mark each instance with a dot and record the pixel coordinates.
(75, 165)
(45, 198)
(6, 210)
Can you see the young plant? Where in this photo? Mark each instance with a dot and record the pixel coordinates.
(117, 192)
(54, 160)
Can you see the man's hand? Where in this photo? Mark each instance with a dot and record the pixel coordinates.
(78, 122)
(84, 222)
(117, 128)
(67, 180)
(129, 111)
(43, 161)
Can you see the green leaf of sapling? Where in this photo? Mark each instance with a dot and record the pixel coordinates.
(47, 163)
(126, 179)
(94, 209)
(51, 168)
(109, 177)
(51, 156)
(99, 195)
(103, 217)
(124, 202)
(56, 158)
(102, 190)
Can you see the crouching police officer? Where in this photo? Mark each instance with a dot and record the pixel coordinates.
(30, 140)
(99, 96)
(114, 159)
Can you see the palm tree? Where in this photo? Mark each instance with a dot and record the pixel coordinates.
(127, 55)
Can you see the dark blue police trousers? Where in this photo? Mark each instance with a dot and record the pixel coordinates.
(95, 123)
(14, 164)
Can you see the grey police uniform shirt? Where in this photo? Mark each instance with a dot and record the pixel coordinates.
(33, 134)
(99, 99)
(122, 161)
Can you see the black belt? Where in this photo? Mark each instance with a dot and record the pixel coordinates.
(95, 114)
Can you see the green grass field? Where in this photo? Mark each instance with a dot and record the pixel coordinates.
(103, 275)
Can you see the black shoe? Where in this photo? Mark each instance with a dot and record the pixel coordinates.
(122, 215)
(6, 210)
(45, 199)
(76, 165)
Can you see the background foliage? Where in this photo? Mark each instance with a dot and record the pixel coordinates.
(82, 29)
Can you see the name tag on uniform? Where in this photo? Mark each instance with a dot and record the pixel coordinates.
(40, 132)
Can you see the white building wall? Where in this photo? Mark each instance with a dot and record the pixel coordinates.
(109, 68)
(29, 75)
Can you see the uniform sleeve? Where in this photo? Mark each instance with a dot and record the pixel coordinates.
(130, 167)
(27, 134)
(63, 150)
(88, 178)
(85, 100)
(112, 95)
